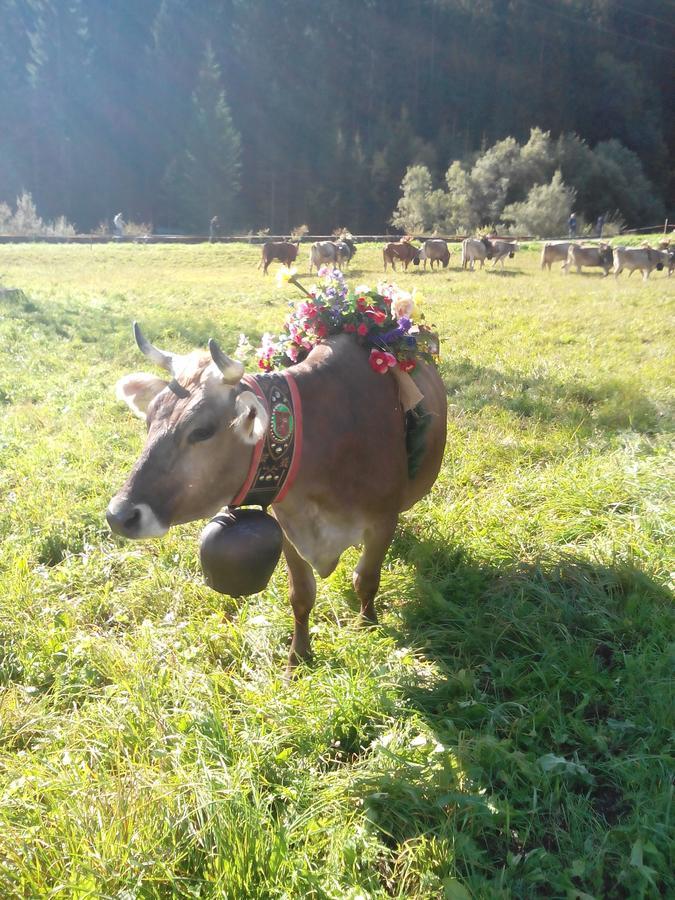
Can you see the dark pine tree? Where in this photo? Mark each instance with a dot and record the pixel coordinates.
(204, 177)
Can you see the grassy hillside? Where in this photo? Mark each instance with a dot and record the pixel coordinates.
(504, 733)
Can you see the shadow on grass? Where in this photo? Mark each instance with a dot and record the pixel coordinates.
(545, 687)
(504, 273)
(611, 404)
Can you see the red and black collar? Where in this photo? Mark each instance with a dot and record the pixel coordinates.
(276, 456)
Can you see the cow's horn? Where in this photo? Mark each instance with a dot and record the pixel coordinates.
(159, 357)
(232, 369)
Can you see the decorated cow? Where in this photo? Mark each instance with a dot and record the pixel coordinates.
(340, 430)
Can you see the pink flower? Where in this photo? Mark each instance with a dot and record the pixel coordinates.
(307, 310)
(380, 361)
(349, 328)
(320, 329)
(362, 330)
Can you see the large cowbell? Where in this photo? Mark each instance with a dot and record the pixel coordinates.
(239, 550)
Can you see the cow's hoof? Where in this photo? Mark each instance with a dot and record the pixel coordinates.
(295, 663)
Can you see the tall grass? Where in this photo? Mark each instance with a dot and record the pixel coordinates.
(504, 733)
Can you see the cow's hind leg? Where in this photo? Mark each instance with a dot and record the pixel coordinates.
(302, 593)
(368, 569)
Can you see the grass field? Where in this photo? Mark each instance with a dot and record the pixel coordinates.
(506, 732)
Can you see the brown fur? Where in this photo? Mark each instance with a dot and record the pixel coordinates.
(284, 251)
(403, 251)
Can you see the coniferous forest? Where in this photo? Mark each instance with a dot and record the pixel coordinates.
(272, 113)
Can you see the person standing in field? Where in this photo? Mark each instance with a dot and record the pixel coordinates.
(118, 225)
(572, 225)
(599, 225)
(214, 226)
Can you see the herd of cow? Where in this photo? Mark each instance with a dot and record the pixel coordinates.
(435, 250)
(644, 259)
(479, 249)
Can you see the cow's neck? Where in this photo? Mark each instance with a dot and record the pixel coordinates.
(276, 456)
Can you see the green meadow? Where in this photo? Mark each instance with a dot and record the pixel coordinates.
(506, 732)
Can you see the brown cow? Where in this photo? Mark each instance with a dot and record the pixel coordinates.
(403, 251)
(352, 481)
(285, 251)
(554, 251)
(599, 256)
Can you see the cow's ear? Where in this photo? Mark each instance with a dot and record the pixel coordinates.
(251, 418)
(138, 391)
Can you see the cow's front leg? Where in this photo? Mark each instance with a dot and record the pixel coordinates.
(302, 593)
(369, 567)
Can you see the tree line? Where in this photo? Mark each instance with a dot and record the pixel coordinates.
(276, 114)
(531, 188)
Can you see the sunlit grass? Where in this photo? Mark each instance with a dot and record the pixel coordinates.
(505, 733)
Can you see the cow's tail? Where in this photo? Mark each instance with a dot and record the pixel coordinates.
(384, 257)
(464, 254)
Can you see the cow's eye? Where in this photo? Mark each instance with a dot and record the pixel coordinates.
(201, 434)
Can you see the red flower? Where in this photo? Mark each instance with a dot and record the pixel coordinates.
(380, 361)
(377, 315)
(320, 329)
(362, 303)
(362, 329)
(349, 328)
(407, 365)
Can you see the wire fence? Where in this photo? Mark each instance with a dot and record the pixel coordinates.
(91, 239)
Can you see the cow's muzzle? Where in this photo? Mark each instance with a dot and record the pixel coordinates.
(133, 520)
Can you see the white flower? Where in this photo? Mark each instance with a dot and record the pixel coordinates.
(402, 304)
(285, 275)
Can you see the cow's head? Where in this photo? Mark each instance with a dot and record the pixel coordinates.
(202, 427)
(606, 256)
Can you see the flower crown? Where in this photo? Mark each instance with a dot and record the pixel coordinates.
(381, 319)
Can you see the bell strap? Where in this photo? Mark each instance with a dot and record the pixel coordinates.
(276, 456)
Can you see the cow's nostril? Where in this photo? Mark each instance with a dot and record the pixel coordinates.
(133, 519)
(125, 519)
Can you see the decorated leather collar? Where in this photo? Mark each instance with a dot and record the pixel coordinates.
(276, 456)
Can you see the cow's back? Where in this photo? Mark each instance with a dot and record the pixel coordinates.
(354, 452)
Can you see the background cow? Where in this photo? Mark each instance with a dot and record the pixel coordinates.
(345, 250)
(475, 249)
(203, 426)
(600, 256)
(645, 259)
(323, 253)
(501, 250)
(403, 251)
(554, 251)
(285, 251)
(436, 251)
